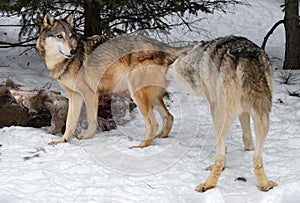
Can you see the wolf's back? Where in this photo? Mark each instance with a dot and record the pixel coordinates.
(232, 56)
(249, 64)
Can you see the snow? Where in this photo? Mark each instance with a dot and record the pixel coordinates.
(104, 169)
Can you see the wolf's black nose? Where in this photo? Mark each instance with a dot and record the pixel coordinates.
(73, 51)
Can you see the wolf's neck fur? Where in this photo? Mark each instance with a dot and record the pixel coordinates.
(55, 63)
(56, 66)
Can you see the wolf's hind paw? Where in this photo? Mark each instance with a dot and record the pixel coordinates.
(203, 187)
(268, 187)
(211, 167)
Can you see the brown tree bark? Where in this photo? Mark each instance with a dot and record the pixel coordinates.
(292, 33)
(92, 18)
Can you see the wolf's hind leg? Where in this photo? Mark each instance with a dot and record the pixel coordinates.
(222, 119)
(261, 124)
(144, 101)
(91, 102)
(247, 137)
(166, 117)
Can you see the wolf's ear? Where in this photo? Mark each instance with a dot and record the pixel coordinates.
(70, 19)
(48, 21)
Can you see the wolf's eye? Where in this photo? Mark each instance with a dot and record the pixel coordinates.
(59, 36)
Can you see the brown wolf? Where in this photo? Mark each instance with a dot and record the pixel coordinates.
(235, 75)
(87, 67)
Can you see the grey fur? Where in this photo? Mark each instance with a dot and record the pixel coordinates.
(235, 75)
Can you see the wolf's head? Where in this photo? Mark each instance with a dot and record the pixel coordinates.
(58, 36)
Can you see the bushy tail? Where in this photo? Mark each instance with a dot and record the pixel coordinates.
(257, 83)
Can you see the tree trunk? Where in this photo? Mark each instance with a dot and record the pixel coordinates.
(92, 18)
(92, 26)
(292, 33)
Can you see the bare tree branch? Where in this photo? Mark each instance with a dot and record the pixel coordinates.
(270, 32)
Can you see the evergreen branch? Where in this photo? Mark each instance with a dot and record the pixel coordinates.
(4, 44)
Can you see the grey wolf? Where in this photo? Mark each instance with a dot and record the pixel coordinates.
(235, 75)
(88, 67)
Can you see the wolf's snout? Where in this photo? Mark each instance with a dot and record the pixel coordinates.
(73, 51)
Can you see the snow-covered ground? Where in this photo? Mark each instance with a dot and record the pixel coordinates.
(103, 169)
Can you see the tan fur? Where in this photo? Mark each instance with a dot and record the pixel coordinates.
(235, 76)
(126, 62)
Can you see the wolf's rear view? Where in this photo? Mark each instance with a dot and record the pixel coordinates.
(235, 75)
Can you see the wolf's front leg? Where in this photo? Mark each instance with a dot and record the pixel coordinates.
(75, 104)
